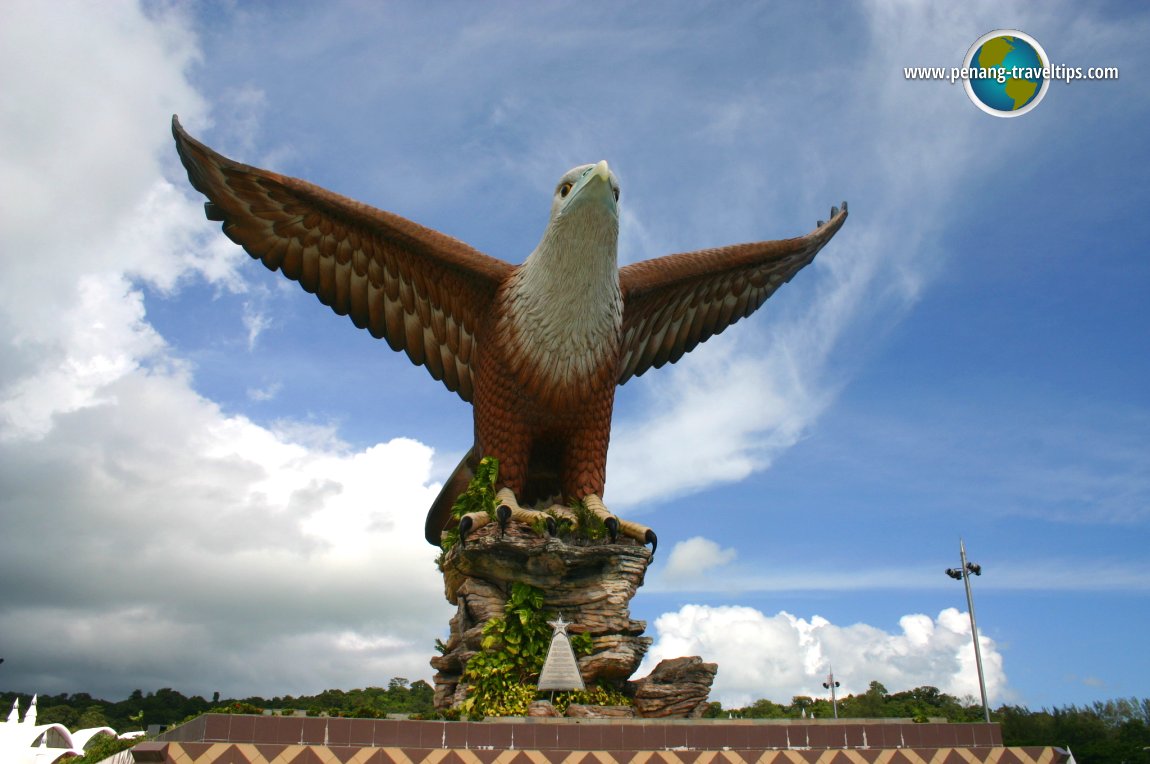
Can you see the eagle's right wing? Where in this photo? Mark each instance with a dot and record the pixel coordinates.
(422, 291)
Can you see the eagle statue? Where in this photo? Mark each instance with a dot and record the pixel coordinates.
(536, 348)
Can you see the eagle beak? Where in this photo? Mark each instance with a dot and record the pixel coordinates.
(591, 176)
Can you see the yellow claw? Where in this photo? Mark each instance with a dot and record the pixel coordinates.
(505, 498)
(507, 508)
(640, 533)
(563, 513)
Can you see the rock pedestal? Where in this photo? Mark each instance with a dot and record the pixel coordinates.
(589, 583)
(676, 689)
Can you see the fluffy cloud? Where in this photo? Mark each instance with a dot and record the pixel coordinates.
(153, 536)
(693, 558)
(779, 656)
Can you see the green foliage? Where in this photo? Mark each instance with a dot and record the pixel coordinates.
(539, 524)
(480, 493)
(167, 707)
(503, 676)
(764, 709)
(479, 497)
(714, 711)
(59, 714)
(599, 695)
(92, 716)
(514, 647)
(237, 707)
(920, 704)
(103, 746)
(579, 523)
(589, 524)
(581, 644)
(1107, 732)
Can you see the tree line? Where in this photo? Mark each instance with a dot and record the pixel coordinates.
(166, 707)
(1106, 732)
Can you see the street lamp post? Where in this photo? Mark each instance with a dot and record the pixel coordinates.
(963, 574)
(831, 684)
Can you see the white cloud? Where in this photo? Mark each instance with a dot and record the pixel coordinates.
(717, 418)
(691, 559)
(265, 393)
(101, 337)
(780, 656)
(169, 539)
(255, 321)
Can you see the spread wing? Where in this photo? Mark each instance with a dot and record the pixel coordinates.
(422, 291)
(672, 303)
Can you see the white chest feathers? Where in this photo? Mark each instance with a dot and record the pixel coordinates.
(564, 315)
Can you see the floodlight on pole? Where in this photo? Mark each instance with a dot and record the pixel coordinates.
(963, 574)
(831, 684)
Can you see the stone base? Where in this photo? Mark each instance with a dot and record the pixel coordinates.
(579, 711)
(676, 689)
(589, 583)
(224, 739)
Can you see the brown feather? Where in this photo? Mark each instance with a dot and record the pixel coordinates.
(321, 239)
(358, 292)
(719, 286)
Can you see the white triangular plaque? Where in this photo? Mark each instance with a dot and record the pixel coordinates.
(560, 669)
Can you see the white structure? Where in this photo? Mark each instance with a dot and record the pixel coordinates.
(23, 741)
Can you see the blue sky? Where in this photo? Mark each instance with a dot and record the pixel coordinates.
(210, 482)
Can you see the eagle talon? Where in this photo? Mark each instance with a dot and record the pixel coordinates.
(509, 509)
(612, 524)
(616, 526)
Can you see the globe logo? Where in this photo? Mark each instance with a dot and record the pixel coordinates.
(1015, 68)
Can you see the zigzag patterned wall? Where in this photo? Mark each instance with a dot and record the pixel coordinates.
(252, 753)
(240, 739)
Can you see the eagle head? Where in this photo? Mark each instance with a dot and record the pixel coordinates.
(589, 189)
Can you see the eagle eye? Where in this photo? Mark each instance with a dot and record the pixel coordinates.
(565, 189)
(616, 192)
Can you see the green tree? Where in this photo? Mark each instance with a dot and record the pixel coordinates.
(59, 714)
(93, 716)
(872, 704)
(101, 747)
(763, 709)
(800, 704)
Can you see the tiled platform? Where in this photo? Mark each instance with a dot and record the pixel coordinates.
(222, 739)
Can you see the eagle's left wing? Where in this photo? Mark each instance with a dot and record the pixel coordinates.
(672, 303)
